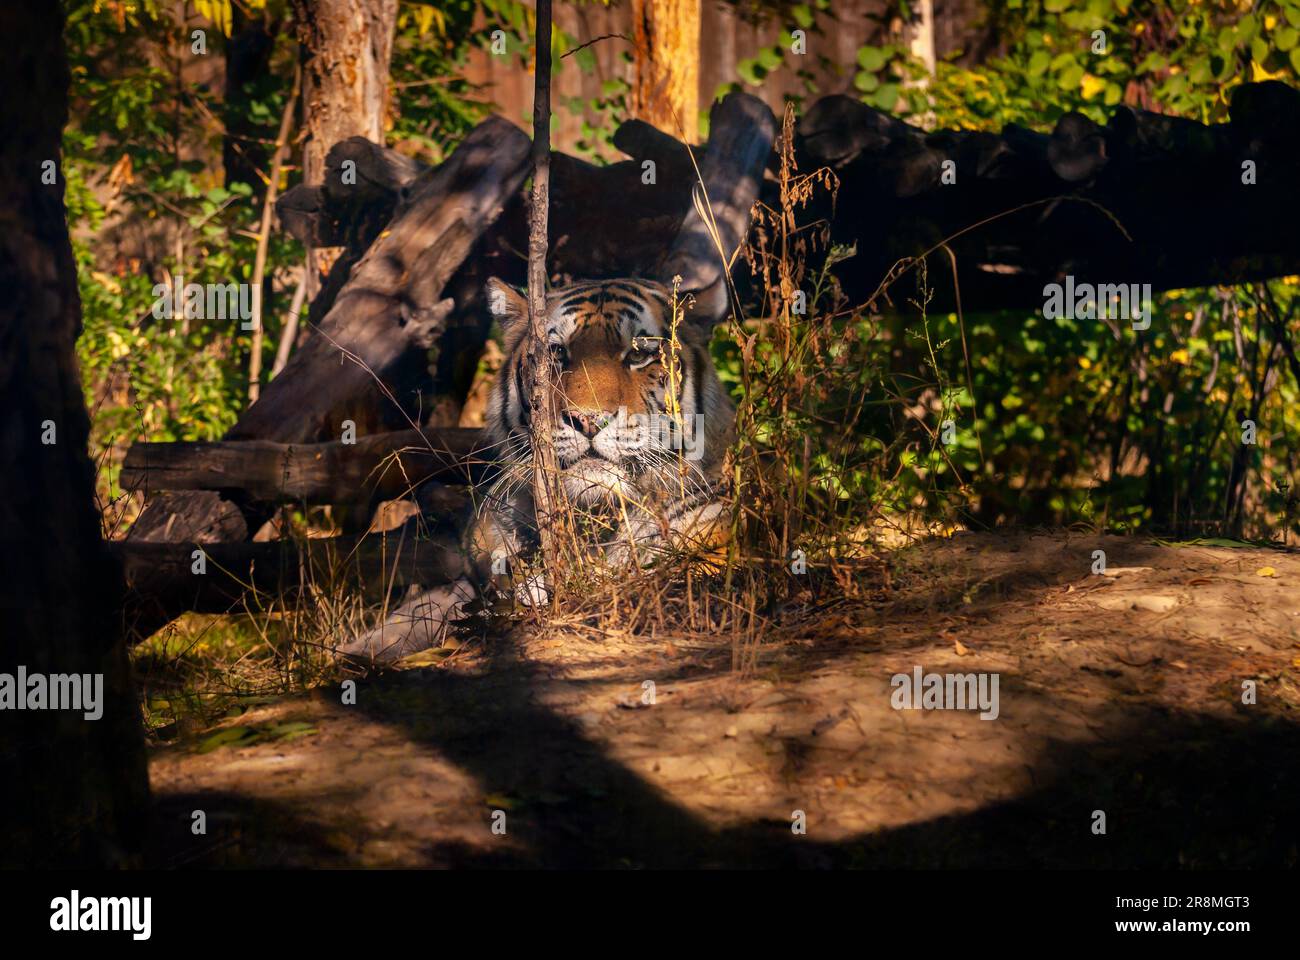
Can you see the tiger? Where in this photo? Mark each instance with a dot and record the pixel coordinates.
(640, 424)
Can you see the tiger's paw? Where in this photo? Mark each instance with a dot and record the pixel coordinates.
(416, 625)
(532, 592)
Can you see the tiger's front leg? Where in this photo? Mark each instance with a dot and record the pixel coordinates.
(491, 546)
(494, 548)
(641, 540)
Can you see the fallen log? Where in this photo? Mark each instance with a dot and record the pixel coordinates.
(304, 216)
(1141, 190)
(383, 466)
(627, 218)
(161, 582)
(893, 203)
(741, 133)
(673, 160)
(392, 305)
(362, 187)
(604, 222)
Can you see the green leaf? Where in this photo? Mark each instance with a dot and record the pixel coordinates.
(802, 15)
(871, 59)
(1069, 78)
(292, 731)
(1152, 62)
(293, 726)
(1062, 60)
(769, 58)
(886, 98)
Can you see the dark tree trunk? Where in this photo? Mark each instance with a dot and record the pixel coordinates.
(73, 791)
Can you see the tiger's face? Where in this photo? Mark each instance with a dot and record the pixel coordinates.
(620, 418)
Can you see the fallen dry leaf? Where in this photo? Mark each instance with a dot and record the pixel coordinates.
(961, 648)
(1266, 572)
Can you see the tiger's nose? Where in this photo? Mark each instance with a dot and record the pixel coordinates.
(587, 424)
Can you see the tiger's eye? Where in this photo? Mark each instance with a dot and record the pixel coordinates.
(642, 354)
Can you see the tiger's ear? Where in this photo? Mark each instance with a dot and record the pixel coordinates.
(507, 305)
(708, 309)
(711, 303)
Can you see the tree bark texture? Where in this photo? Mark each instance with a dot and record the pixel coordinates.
(666, 65)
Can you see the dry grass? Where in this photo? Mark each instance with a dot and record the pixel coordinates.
(201, 666)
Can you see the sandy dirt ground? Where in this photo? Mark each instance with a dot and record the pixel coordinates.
(1120, 693)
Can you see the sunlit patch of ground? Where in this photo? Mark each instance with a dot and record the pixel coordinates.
(1121, 693)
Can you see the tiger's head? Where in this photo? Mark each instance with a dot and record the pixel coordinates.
(625, 424)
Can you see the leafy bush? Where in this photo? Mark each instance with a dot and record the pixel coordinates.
(1061, 422)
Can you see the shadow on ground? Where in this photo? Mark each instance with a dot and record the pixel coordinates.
(1200, 793)
(1112, 702)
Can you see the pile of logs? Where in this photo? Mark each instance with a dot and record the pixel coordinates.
(417, 246)
(399, 324)
(1167, 201)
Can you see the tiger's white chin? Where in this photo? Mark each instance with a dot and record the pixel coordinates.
(592, 481)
